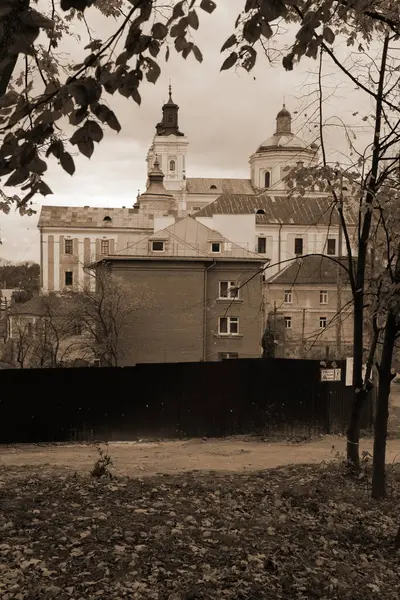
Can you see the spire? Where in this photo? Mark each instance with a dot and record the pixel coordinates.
(169, 123)
(156, 181)
(283, 121)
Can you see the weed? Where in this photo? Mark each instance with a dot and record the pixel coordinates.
(103, 464)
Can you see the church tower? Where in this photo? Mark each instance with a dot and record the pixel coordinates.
(279, 153)
(156, 201)
(170, 147)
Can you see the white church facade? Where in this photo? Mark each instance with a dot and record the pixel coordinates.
(255, 213)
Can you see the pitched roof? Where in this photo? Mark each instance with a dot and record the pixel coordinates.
(90, 216)
(210, 185)
(310, 270)
(188, 238)
(38, 305)
(310, 210)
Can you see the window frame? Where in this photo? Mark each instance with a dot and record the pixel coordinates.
(229, 322)
(158, 242)
(231, 287)
(173, 163)
(219, 244)
(321, 321)
(71, 273)
(287, 297)
(264, 239)
(288, 322)
(298, 239)
(68, 243)
(327, 247)
(101, 247)
(323, 296)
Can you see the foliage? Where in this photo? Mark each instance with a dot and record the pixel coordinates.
(36, 105)
(24, 276)
(296, 532)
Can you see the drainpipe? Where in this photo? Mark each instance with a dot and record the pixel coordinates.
(205, 310)
(279, 247)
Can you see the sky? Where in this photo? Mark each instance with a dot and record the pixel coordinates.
(224, 115)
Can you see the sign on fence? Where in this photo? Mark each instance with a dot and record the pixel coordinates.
(331, 374)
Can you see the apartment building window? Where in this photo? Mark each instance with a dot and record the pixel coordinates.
(228, 289)
(228, 325)
(261, 245)
(105, 247)
(331, 247)
(227, 355)
(68, 246)
(157, 246)
(215, 247)
(288, 322)
(322, 322)
(69, 278)
(287, 298)
(298, 246)
(323, 297)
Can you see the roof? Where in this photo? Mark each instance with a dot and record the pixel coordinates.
(200, 185)
(187, 238)
(283, 140)
(310, 270)
(90, 216)
(278, 209)
(38, 305)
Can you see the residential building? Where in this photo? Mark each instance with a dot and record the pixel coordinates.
(205, 296)
(310, 310)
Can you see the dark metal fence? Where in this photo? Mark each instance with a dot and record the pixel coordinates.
(245, 396)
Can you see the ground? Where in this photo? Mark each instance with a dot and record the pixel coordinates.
(218, 522)
(152, 458)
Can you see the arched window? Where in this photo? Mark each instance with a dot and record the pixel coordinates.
(267, 179)
(213, 187)
(107, 219)
(260, 211)
(172, 165)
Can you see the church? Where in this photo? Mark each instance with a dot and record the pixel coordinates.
(72, 237)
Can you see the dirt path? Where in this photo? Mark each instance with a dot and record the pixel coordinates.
(140, 459)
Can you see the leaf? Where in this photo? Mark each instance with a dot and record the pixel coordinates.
(197, 53)
(252, 30)
(136, 96)
(44, 189)
(229, 42)
(208, 5)
(167, 54)
(159, 31)
(250, 59)
(67, 163)
(266, 29)
(112, 120)
(154, 48)
(37, 165)
(94, 131)
(328, 35)
(178, 10)
(153, 70)
(193, 19)
(229, 62)
(19, 176)
(78, 115)
(287, 62)
(86, 147)
(56, 148)
(9, 99)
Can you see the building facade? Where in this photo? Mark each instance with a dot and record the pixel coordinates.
(309, 309)
(205, 295)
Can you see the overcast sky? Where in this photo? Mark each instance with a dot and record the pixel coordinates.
(224, 115)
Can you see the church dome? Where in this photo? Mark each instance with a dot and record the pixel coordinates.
(280, 140)
(283, 113)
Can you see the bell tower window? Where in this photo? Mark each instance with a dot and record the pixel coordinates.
(172, 165)
(267, 179)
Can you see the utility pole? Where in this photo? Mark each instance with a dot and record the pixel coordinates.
(338, 283)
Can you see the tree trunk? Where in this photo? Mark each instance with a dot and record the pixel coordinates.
(382, 409)
(9, 27)
(360, 393)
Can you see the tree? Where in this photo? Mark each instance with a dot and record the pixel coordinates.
(107, 313)
(24, 276)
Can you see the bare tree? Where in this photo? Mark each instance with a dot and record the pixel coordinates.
(106, 313)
